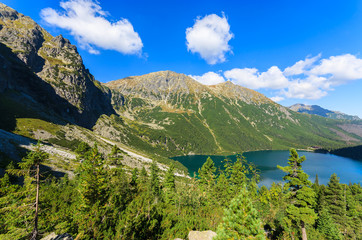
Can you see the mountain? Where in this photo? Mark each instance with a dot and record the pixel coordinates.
(47, 71)
(171, 113)
(48, 94)
(317, 110)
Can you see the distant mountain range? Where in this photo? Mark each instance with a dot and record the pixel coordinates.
(317, 110)
(47, 93)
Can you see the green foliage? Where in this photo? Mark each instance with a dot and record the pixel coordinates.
(169, 185)
(114, 203)
(327, 227)
(207, 174)
(301, 196)
(20, 201)
(240, 220)
(82, 148)
(335, 201)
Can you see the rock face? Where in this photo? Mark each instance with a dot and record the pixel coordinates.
(205, 235)
(55, 61)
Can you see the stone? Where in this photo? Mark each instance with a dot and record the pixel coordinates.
(204, 235)
(54, 236)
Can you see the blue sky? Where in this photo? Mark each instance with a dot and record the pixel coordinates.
(291, 51)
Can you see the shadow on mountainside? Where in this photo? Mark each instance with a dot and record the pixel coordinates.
(24, 95)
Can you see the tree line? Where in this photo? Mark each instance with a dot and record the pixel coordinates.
(103, 202)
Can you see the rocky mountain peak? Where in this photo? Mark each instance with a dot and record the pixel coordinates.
(9, 13)
(55, 60)
(157, 84)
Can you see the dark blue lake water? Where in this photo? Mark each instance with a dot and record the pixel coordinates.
(348, 170)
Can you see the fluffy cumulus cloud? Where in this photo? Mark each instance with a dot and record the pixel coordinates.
(314, 77)
(301, 66)
(210, 38)
(311, 78)
(252, 78)
(341, 68)
(87, 22)
(209, 78)
(277, 98)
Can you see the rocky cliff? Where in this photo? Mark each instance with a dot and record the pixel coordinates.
(55, 61)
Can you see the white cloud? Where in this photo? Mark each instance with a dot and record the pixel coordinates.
(252, 78)
(311, 78)
(210, 38)
(86, 21)
(209, 78)
(301, 66)
(341, 68)
(277, 98)
(311, 88)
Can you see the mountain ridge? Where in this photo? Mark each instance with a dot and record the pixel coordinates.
(162, 114)
(318, 110)
(55, 61)
(174, 107)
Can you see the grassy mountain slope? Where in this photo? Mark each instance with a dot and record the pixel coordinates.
(173, 114)
(48, 94)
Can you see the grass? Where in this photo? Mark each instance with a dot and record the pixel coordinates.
(27, 127)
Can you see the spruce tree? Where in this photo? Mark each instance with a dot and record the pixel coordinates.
(207, 174)
(240, 220)
(30, 169)
(115, 157)
(134, 181)
(169, 185)
(335, 201)
(93, 193)
(222, 190)
(301, 196)
(326, 226)
(154, 181)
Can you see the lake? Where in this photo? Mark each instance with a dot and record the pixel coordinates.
(348, 170)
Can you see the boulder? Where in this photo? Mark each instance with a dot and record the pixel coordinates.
(204, 235)
(53, 236)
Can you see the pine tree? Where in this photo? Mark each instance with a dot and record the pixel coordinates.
(354, 211)
(134, 181)
(326, 226)
(301, 196)
(240, 220)
(30, 169)
(92, 178)
(115, 157)
(335, 201)
(238, 174)
(170, 185)
(82, 149)
(94, 192)
(207, 174)
(222, 189)
(154, 181)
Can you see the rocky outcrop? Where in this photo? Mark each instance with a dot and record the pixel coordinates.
(205, 235)
(55, 61)
(53, 236)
